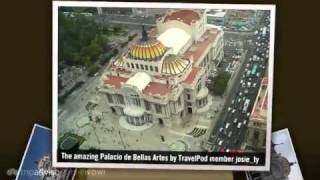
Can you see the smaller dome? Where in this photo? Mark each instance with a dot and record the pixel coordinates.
(174, 65)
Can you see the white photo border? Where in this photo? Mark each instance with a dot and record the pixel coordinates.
(57, 4)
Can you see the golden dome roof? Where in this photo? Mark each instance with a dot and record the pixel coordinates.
(147, 50)
(174, 65)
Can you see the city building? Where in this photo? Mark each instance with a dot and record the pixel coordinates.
(160, 78)
(257, 125)
(216, 17)
(241, 19)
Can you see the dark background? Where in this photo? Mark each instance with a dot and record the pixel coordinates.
(26, 78)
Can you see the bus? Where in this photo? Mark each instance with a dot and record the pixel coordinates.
(254, 69)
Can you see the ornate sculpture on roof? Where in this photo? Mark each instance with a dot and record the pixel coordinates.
(147, 48)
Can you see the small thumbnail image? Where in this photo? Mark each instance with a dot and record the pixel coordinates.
(284, 164)
(37, 162)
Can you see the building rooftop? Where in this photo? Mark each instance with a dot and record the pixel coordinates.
(154, 88)
(261, 104)
(174, 38)
(198, 48)
(140, 80)
(115, 81)
(192, 75)
(186, 16)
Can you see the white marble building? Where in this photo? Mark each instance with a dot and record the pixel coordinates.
(161, 78)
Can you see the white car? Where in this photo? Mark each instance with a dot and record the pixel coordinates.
(239, 125)
(221, 129)
(233, 110)
(248, 114)
(240, 93)
(258, 74)
(245, 122)
(232, 102)
(246, 91)
(220, 142)
(227, 150)
(235, 120)
(227, 125)
(229, 134)
(229, 108)
(254, 85)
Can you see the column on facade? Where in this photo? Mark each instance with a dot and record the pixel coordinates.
(136, 121)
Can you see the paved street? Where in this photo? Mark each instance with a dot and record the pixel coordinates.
(229, 132)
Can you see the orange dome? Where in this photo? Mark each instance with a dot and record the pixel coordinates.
(147, 50)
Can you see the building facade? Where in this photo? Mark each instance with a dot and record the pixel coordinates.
(257, 125)
(160, 79)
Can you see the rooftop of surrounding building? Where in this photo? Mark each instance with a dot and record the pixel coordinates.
(261, 104)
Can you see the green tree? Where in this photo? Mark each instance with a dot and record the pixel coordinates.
(80, 37)
(220, 83)
(92, 69)
(117, 29)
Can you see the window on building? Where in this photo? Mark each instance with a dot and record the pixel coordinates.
(146, 66)
(179, 101)
(147, 105)
(120, 99)
(141, 66)
(151, 68)
(137, 66)
(109, 97)
(199, 86)
(128, 65)
(256, 134)
(156, 68)
(136, 101)
(132, 65)
(188, 96)
(158, 108)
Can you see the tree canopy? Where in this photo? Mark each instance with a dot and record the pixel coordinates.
(81, 39)
(220, 83)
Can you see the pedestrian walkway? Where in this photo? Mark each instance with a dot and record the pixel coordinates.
(123, 123)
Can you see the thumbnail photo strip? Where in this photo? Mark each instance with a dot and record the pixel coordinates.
(162, 85)
(37, 159)
(284, 163)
